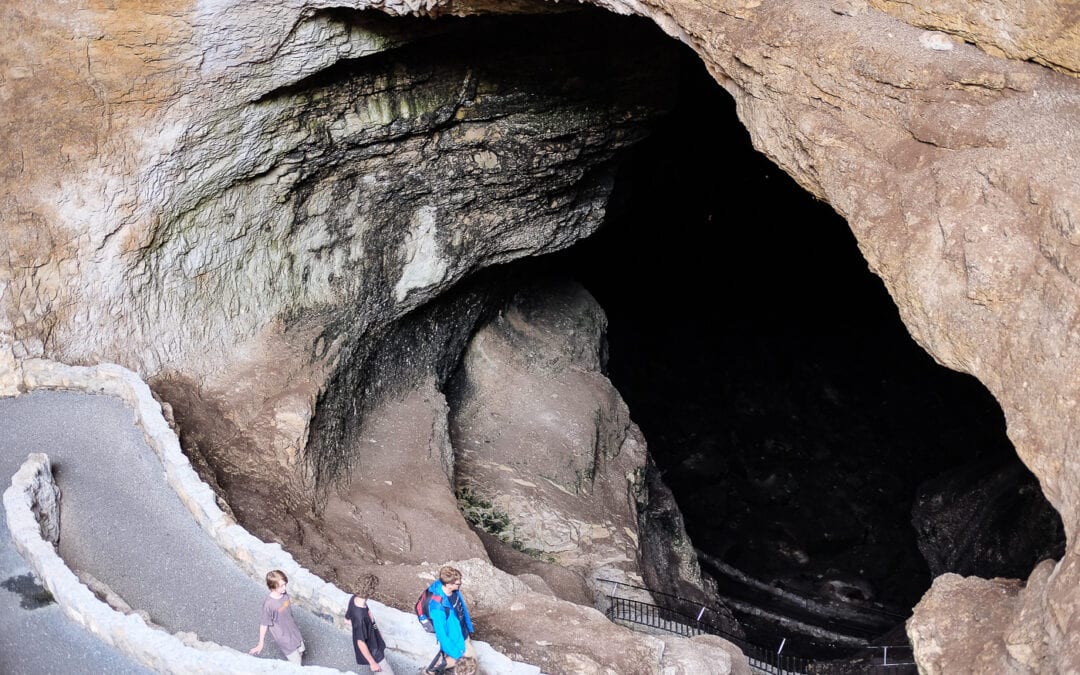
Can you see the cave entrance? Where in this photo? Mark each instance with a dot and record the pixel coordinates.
(799, 427)
(812, 446)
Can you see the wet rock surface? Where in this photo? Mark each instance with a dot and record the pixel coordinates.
(32, 595)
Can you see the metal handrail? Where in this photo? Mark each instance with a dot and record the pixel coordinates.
(837, 625)
(761, 659)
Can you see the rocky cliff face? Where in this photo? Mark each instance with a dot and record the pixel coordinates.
(548, 459)
(245, 201)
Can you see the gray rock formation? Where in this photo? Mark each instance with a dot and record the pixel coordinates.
(548, 459)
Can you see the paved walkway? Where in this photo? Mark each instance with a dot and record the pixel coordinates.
(122, 523)
(36, 637)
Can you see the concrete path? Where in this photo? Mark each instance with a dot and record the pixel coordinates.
(121, 523)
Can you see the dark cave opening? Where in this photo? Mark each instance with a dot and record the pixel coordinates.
(810, 443)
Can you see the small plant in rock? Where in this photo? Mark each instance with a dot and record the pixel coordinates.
(520, 546)
(481, 513)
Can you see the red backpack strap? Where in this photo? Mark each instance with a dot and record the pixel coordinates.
(426, 597)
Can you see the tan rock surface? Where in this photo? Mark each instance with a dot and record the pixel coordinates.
(543, 439)
(703, 654)
(564, 638)
(1044, 31)
(950, 641)
(398, 505)
(397, 517)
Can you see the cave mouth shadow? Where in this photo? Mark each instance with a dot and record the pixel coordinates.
(809, 442)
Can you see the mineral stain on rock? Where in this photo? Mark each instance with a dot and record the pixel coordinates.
(33, 595)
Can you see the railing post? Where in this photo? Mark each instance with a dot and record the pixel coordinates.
(885, 658)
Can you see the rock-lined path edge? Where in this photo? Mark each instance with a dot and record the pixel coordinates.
(225, 609)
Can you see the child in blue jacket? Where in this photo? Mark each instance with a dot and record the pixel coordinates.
(450, 619)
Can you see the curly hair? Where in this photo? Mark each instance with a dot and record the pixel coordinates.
(449, 575)
(466, 665)
(365, 585)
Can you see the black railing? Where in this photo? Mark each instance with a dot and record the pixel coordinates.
(661, 618)
(877, 660)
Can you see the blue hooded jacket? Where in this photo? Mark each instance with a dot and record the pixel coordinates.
(448, 627)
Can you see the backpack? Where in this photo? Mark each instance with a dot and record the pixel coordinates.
(421, 609)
